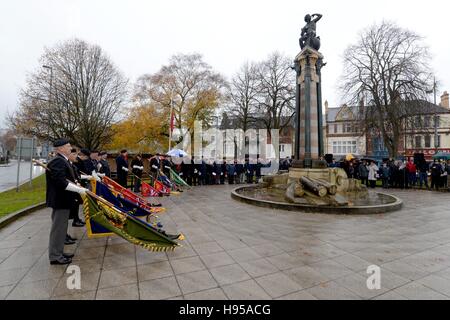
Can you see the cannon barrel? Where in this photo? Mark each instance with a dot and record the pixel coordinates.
(314, 186)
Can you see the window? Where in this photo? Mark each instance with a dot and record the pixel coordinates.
(349, 127)
(418, 141)
(437, 121)
(427, 122)
(344, 147)
(335, 128)
(428, 141)
(438, 145)
(281, 147)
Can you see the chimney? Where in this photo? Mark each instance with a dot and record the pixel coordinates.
(444, 100)
(326, 106)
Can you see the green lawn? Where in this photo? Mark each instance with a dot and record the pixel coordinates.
(11, 201)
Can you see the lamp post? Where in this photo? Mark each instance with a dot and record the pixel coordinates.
(436, 145)
(49, 100)
(171, 119)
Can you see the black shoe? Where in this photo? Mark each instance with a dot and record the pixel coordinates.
(78, 224)
(69, 242)
(156, 205)
(68, 255)
(63, 260)
(68, 237)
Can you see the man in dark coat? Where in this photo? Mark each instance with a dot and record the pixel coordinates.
(105, 169)
(122, 168)
(166, 166)
(137, 168)
(436, 171)
(223, 172)
(77, 222)
(202, 173)
(60, 196)
(194, 172)
(85, 156)
(155, 165)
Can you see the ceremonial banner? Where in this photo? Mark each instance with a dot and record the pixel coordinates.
(160, 187)
(177, 179)
(122, 203)
(130, 228)
(112, 183)
(127, 194)
(148, 191)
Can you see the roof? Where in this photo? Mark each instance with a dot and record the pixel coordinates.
(426, 108)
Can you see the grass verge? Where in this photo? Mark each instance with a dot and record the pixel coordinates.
(11, 201)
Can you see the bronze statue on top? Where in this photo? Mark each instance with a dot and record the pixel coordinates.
(308, 35)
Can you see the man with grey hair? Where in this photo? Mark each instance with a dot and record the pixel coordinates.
(61, 196)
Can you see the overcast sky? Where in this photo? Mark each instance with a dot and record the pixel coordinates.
(140, 35)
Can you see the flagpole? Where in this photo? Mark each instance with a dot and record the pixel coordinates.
(170, 123)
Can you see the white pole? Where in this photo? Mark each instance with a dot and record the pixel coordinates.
(18, 163)
(170, 120)
(31, 160)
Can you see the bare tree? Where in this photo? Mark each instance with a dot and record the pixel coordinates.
(76, 96)
(189, 85)
(389, 68)
(276, 91)
(243, 93)
(8, 142)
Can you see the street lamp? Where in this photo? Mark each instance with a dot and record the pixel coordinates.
(49, 100)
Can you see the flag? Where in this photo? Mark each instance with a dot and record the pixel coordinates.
(160, 187)
(130, 228)
(177, 179)
(148, 191)
(112, 183)
(132, 207)
(131, 196)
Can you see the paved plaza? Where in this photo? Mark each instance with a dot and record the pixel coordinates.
(237, 251)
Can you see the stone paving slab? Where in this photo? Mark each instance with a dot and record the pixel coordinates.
(237, 251)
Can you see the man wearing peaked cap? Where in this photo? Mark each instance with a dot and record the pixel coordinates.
(60, 196)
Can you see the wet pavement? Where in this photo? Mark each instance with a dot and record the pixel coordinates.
(236, 251)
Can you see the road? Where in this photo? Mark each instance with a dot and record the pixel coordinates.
(8, 175)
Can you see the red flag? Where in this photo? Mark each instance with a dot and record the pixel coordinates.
(161, 187)
(148, 191)
(112, 184)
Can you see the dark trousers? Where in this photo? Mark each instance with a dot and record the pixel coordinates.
(423, 178)
(58, 232)
(385, 182)
(122, 180)
(435, 182)
(137, 184)
(195, 180)
(74, 212)
(230, 179)
(373, 183)
(364, 181)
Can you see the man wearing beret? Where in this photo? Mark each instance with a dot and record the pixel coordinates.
(61, 195)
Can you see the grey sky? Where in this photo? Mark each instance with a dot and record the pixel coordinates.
(140, 35)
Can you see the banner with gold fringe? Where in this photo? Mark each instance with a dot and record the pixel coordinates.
(123, 224)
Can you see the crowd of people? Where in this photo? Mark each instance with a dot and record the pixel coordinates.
(194, 172)
(398, 173)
